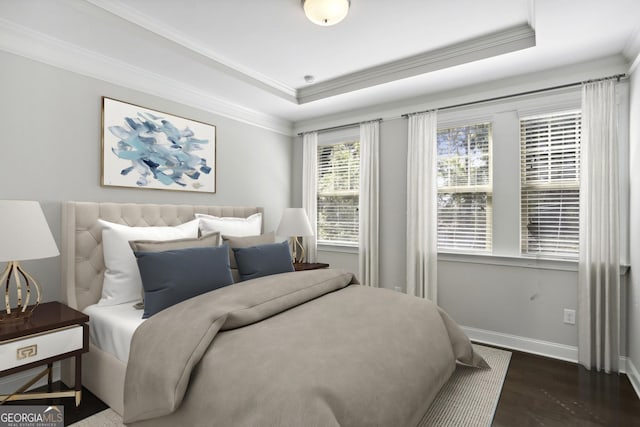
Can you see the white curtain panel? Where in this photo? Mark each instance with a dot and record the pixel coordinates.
(369, 203)
(422, 211)
(599, 265)
(310, 191)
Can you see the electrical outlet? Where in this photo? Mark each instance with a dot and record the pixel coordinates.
(569, 316)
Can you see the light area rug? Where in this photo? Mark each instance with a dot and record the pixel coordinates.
(471, 395)
(468, 399)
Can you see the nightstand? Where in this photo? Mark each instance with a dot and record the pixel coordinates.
(304, 266)
(53, 332)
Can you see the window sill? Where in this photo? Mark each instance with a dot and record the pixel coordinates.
(510, 261)
(517, 261)
(487, 259)
(347, 249)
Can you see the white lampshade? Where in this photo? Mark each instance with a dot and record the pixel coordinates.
(24, 232)
(326, 12)
(294, 222)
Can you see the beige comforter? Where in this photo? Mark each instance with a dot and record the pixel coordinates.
(295, 349)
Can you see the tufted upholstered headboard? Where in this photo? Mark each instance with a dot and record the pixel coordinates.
(82, 258)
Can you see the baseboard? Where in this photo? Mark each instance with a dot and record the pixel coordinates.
(529, 345)
(634, 376)
(553, 350)
(13, 382)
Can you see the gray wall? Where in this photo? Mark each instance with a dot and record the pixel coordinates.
(50, 151)
(633, 301)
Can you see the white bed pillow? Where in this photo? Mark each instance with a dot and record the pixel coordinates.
(122, 281)
(231, 226)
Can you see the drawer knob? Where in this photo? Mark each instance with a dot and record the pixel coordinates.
(28, 351)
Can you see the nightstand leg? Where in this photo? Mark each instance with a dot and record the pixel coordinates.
(20, 391)
(78, 379)
(50, 377)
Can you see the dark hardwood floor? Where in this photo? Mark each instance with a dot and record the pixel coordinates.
(537, 391)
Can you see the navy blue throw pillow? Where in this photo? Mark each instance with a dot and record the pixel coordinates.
(170, 277)
(263, 260)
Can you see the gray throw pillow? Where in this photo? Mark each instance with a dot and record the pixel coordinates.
(169, 277)
(263, 260)
(245, 242)
(208, 240)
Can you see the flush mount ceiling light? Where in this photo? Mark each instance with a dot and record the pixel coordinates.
(326, 12)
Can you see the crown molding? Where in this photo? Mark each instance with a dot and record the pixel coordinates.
(505, 41)
(572, 73)
(231, 68)
(34, 45)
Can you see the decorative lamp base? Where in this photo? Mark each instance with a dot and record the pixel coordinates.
(297, 250)
(21, 277)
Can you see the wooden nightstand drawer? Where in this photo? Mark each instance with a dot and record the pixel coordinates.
(32, 348)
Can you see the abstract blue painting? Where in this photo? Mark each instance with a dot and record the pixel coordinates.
(145, 148)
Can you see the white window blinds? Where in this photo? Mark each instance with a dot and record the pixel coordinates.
(464, 188)
(338, 193)
(550, 184)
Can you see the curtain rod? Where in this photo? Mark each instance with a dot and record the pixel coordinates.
(513, 95)
(348, 125)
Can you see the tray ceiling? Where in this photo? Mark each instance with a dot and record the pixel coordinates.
(249, 57)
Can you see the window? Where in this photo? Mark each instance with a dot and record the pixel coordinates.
(338, 193)
(464, 188)
(550, 184)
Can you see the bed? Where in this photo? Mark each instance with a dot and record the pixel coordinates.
(299, 348)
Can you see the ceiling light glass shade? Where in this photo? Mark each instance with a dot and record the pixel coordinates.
(326, 12)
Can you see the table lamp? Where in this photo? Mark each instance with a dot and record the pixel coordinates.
(295, 223)
(24, 235)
